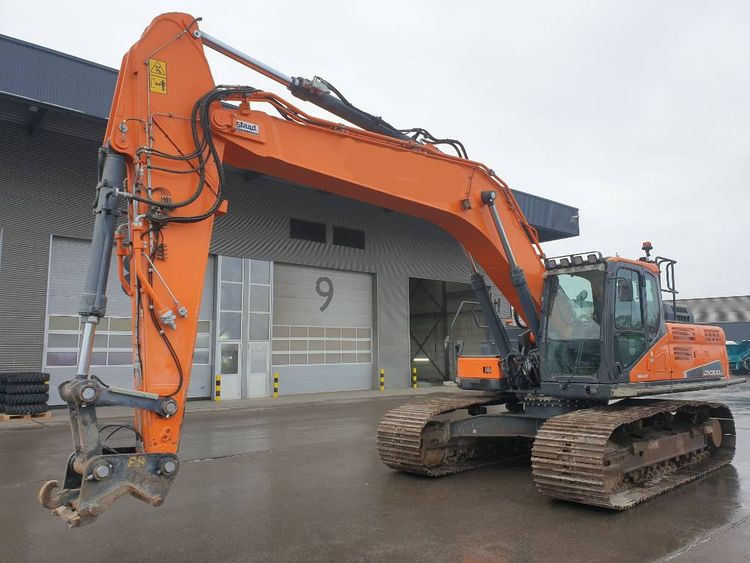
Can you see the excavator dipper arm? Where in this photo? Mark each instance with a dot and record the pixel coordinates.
(170, 130)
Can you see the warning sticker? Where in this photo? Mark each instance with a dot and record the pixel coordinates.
(157, 76)
(158, 84)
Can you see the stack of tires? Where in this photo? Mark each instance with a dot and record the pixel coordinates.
(24, 393)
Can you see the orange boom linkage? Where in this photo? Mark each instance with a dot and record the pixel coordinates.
(169, 132)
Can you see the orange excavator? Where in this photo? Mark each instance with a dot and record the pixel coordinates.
(598, 334)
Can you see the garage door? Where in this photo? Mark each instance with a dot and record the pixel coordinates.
(322, 329)
(112, 355)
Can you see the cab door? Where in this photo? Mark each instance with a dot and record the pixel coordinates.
(629, 326)
(658, 364)
(640, 346)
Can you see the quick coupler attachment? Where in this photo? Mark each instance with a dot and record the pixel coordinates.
(105, 478)
(96, 474)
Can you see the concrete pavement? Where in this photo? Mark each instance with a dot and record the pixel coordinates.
(302, 482)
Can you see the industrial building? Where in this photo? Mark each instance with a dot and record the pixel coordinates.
(322, 290)
(732, 314)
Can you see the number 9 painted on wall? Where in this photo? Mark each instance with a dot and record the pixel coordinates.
(324, 287)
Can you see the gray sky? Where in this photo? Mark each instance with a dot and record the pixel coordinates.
(635, 111)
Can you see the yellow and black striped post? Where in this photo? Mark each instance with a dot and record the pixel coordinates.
(275, 385)
(382, 379)
(217, 387)
(414, 378)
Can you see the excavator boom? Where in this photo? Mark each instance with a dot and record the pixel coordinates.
(170, 131)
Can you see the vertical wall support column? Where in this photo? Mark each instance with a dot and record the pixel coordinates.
(392, 323)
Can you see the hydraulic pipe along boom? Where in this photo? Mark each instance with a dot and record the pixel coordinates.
(309, 90)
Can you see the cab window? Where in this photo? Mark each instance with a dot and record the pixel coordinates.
(653, 308)
(628, 301)
(630, 340)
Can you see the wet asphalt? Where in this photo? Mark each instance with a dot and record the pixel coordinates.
(303, 483)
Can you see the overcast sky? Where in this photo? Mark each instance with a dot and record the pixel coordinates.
(636, 112)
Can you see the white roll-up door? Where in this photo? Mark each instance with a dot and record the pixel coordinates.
(112, 355)
(322, 329)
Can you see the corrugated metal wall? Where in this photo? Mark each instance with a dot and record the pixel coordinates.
(734, 309)
(257, 225)
(23, 287)
(46, 187)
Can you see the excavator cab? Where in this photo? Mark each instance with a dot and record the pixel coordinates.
(605, 332)
(604, 328)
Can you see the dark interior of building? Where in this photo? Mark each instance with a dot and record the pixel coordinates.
(444, 320)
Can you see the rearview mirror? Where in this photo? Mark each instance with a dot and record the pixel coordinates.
(624, 290)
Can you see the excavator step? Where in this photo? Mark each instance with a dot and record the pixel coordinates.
(575, 455)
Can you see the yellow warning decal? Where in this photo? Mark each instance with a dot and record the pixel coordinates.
(157, 84)
(157, 76)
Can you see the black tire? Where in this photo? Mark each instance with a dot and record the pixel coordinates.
(7, 377)
(27, 377)
(27, 388)
(2, 387)
(25, 409)
(28, 399)
(2, 402)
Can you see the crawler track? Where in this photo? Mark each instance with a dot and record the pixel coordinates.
(589, 456)
(578, 456)
(413, 438)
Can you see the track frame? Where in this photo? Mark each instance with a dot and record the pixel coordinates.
(608, 455)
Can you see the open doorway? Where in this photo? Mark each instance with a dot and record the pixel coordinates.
(445, 320)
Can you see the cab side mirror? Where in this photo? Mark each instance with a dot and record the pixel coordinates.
(624, 290)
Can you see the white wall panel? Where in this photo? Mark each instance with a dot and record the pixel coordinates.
(322, 329)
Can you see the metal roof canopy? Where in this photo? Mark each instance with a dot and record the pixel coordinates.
(60, 82)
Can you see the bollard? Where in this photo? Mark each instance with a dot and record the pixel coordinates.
(382, 379)
(275, 385)
(217, 387)
(414, 378)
